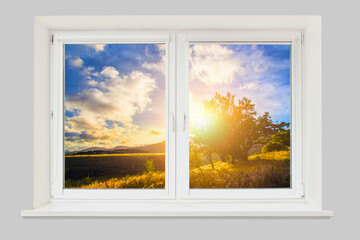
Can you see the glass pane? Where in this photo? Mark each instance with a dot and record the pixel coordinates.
(114, 121)
(239, 115)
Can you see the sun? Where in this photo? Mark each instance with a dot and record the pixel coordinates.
(200, 120)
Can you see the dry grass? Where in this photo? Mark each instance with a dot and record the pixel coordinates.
(264, 170)
(244, 174)
(276, 156)
(146, 180)
(117, 154)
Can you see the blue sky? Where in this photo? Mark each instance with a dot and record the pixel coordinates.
(115, 93)
(260, 73)
(124, 57)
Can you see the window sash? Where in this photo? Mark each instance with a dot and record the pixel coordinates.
(57, 113)
(296, 190)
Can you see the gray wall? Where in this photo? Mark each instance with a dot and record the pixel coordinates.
(341, 131)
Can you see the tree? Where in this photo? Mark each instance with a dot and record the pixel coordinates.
(232, 128)
(203, 142)
(194, 155)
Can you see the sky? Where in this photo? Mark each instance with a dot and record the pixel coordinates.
(115, 93)
(260, 73)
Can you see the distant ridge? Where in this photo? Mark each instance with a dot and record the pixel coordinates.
(151, 148)
(120, 147)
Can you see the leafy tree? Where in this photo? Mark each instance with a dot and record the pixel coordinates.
(205, 145)
(232, 128)
(194, 155)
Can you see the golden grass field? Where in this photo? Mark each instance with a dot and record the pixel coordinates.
(263, 170)
(146, 180)
(116, 155)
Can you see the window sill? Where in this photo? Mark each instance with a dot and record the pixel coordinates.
(174, 208)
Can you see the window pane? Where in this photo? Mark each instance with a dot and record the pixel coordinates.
(239, 115)
(114, 123)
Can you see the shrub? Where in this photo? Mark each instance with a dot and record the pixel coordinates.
(279, 142)
(150, 166)
(272, 146)
(282, 137)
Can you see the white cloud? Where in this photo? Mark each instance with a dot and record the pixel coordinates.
(249, 85)
(161, 48)
(110, 72)
(156, 66)
(259, 67)
(92, 82)
(116, 98)
(97, 47)
(76, 62)
(269, 97)
(214, 64)
(87, 71)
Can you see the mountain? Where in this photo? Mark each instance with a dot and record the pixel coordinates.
(151, 148)
(89, 150)
(96, 149)
(120, 147)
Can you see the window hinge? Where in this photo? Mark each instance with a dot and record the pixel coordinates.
(52, 190)
(302, 190)
(52, 39)
(51, 115)
(302, 38)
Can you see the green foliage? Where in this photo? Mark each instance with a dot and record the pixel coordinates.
(282, 137)
(88, 179)
(279, 142)
(272, 146)
(150, 166)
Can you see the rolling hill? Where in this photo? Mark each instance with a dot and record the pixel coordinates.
(151, 148)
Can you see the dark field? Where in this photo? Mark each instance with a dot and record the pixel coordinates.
(110, 166)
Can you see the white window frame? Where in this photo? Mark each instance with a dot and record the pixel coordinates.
(311, 140)
(59, 39)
